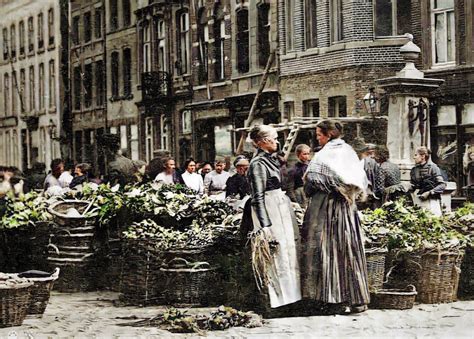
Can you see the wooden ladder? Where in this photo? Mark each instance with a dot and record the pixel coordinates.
(290, 141)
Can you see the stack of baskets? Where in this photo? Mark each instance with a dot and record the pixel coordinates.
(14, 301)
(72, 245)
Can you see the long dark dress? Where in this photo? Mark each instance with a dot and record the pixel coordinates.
(333, 268)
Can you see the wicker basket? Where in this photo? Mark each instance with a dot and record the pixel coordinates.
(187, 283)
(376, 267)
(59, 212)
(439, 277)
(394, 299)
(14, 303)
(40, 293)
(140, 273)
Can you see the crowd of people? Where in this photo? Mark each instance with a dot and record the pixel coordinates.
(324, 259)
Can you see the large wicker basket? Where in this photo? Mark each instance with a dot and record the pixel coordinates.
(40, 293)
(395, 299)
(187, 283)
(376, 267)
(439, 277)
(59, 211)
(14, 303)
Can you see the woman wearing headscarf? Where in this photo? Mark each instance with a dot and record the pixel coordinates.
(274, 222)
(334, 269)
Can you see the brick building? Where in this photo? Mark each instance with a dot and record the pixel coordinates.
(447, 42)
(32, 90)
(88, 85)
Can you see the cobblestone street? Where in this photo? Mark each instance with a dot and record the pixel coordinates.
(94, 315)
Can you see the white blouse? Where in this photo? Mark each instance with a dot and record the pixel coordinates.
(193, 181)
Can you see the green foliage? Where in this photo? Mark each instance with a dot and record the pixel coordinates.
(25, 211)
(397, 225)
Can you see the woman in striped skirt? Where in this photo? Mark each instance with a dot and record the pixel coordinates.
(334, 269)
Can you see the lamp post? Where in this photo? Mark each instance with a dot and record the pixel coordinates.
(371, 102)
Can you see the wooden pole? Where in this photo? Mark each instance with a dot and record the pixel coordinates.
(253, 108)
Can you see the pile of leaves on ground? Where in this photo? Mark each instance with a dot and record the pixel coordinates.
(24, 211)
(399, 226)
(180, 321)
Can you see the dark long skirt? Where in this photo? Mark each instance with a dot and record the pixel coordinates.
(333, 267)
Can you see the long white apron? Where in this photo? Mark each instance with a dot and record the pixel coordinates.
(285, 285)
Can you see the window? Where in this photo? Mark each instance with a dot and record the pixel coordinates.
(161, 32)
(75, 30)
(311, 24)
(443, 31)
(186, 121)
(87, 27)
(164, 127)
(126, 12)
(337, 29)
(78, 146)
(113, 15)
(51, 26)
(127, 72)
(263, 34)
(311, 108)
(123, 137)
(13, 41)
(88, 85)
(77, 87)
(99, 83)
(40, 31)
(22, 90)
(149, 143)
(31, 32)
(203, 38)
(41, 86)
(337, 107)
(21, 32)
(288, 110)
(115, 74)
(31, 86)
(52, 84)
(219, 38)
(98, 23)
(183, 43)
(392, 17)
(146, 47)
(134, 143)
(6, 93)
(243, 57)
(290, 25)
(5, 43)
(14, 93)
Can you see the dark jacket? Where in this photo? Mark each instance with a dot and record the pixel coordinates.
(295, 179)
(264, 175)
(238, 186)
(428, 178)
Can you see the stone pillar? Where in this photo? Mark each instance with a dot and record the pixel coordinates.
(408, 112)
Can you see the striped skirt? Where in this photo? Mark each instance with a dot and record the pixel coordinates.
(333, 265)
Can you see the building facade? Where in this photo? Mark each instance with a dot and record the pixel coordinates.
(447, 42)
(88, 81)
(33, 97)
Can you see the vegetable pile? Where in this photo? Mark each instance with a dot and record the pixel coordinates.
(409, 228)
(24, 211)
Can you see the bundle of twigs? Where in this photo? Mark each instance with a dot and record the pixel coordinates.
(262, 258)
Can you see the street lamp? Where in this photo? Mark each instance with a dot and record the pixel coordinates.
(371, 102)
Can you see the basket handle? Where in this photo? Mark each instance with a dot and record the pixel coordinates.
(411, 287)
(179, 261)
(55, 275)
(184, 263)
(201, 264)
